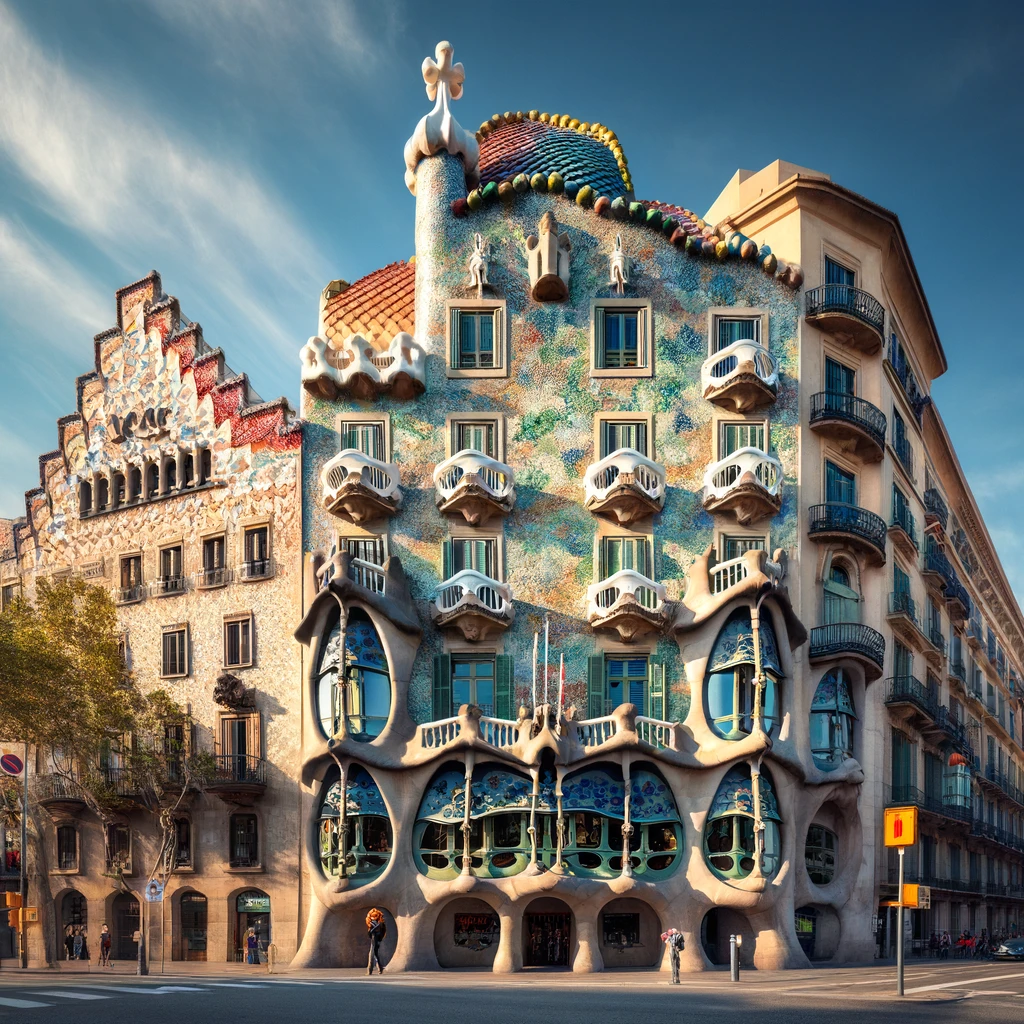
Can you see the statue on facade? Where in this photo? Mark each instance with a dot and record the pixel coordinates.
(230, 692)
(619, 267)
(478, 266)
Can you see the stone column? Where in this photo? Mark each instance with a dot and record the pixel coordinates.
(162, 464)
(179, 469)
(588, 959)
(509, 956)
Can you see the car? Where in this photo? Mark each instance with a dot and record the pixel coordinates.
(1010, 949)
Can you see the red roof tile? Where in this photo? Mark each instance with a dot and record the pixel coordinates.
(378, 306)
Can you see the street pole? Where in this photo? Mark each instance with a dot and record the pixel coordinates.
(23, 860)
(734, 960)
(899, 931)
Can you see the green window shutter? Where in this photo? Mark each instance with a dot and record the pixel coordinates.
(446, 560)
(656, 689)
(595, 686)
(504, 686)
(442, 686)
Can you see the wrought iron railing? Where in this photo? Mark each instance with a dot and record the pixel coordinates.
(129, 595)
(901, 603)
(847, 638)
(935, 508)
(838, 517)
(166, 586)
(256, 569)
(844, 298)
(837, 405)
(900, 795)
(903, 519)
(242, 768)
(217, 576)
(904, 452)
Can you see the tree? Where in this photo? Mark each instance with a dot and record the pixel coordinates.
(65, 688)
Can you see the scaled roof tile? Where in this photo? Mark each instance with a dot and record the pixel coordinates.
(378, 306)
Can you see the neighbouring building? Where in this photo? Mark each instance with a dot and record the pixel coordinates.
(175, 486)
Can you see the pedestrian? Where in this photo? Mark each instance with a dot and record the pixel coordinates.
(673, 938)
(376, 929)
(77, 943)
(105, 946)
(252, 946)
(69, 942)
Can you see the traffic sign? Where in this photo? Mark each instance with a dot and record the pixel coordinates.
(900, 826)
(11, 764)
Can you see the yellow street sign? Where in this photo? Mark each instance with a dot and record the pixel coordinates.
(12, 899)
(900, 826)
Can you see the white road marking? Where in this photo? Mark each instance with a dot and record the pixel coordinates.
(21, 1004)
(236, 984)
(62, 994)
(965, 982)
(145, 990)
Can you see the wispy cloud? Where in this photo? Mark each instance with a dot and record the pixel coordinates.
(143, 191)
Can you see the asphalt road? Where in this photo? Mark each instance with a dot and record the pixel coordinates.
(936, 993)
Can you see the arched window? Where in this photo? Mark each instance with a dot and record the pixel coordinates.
(367, 839)
(134, 483)
(84, 497)
(119, 489)
(820, 854)
(189, 472)
(832, 719)
(364, 693)
(172, 473)
(152, 480)
(205, 465)
(102, 493)
(729, 840)
(842, 602)
(729, 683)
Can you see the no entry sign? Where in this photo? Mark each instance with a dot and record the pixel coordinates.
(11, 764)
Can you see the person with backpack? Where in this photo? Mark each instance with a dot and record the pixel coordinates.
(376, 929)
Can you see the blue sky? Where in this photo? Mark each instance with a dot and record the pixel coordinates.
(251, 150)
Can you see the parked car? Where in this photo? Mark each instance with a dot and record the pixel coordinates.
(1011, 949)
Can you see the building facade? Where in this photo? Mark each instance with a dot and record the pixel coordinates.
(175, 486)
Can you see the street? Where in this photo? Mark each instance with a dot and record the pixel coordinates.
(936, 992)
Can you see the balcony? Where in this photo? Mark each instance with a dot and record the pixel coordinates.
(958, 601)
(169, 586)
(475, 486)
(625, 486)
(209, 579)
(747, 483)
(902, 616)
(741, 377)
(357, 370)
(837, 521)
(958, 672)
(722, 576)
(629, 604)
(936, 568)
(936, 650)
(479, 607)
(1001, 780)
(849, 640)
(256, 569)
(129, 595)
(903, 530)
(936, 515)
(239, 778)
(904, 452)
(856, 424)
(60, 794)
(359, 487)
(933, 803)
(975, 635)
(849, 314)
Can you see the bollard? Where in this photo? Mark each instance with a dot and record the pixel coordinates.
(734, 958)
(271, 958)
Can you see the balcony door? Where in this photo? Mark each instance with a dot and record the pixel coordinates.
(839, 379)
(741, 435)
(366, 436)
(840, 486)
(618, 553)
(842, 602)
(469, 553)
(239, 745)
(616, 435)
(476, 435)
(836, 273)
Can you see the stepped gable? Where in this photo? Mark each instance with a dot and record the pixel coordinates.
(378, 306)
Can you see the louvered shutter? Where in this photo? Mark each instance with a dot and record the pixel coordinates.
(442, 687)
(504, 685)
(595, 686)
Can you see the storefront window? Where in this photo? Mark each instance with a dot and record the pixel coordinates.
(730, 846)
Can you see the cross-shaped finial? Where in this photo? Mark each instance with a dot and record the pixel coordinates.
(443, 71)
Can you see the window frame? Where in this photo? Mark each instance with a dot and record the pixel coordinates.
(246, 527)
(501, 354)
(724, 539)
(601, 420)
(109, 865)
(716, 314)
(454, 420)
(723, 424)
(256, 863)
(178, 627)
(462, 533)
(645, 337)
(167, 547)
(239, 619)
(77, 868)
(178, 867)
(600, 558)
(846, 470)
(366, 418)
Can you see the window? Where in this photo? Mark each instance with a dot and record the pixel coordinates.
(366, 436)
(240, 745)
(175, 651)
(84, 497)
(625, 679)
(820, 854)
(152, 480)
(621, 342)
(8, 595)
(904, 767)
(477, 436)
(902, 660)
(174, 752)
(134, 483)
(730, 687)
(732, 329)
(369, 551)
(214, 571)
(181, 850)
(839, 379)
(734, 436)
(119, 849)
(171, 579)
(469, 553)
(901, 443)
(832, 721)
(67, 848)
(836, 273)
(119, 488)
(616, 434)
(840, 486)
(842, 602)
(620, 930)
(244, 841)
(618, 553)
(734, 547)
(256, 545)
(102, 493)
(476, 339)
(365, 694)
(484, 680)
(238, 645)
(364, 847)
(730, 845)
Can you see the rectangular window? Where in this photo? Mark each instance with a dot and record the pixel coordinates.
(616, 679)
(214, 571)
(130, 578)
(170, 563)
(621, 930)
(840, 486)
(734, 436)
(839, 379)
(256, 543)
(67, 848)
(473, 683)
(618, 553)
(904, 766)
(365, 552)
(366, 436)
(902, 660)
(244, 840)
(174, 752)
(616, 434)
(8, 595)
(181, 852)
(732, 329)
(238, 646)
(621, 339)
(469, 553)
(474, 336)
(625, 683)
(119, 849)
(836, 273)
(476, 435)
(733, 547)
(175, 651)
(485, 680)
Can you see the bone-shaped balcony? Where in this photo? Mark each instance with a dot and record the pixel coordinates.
(625, 486)
(360, 488)
(629, 604)
(748, 483)
(474, 485)
(473, 603)
(741, 377)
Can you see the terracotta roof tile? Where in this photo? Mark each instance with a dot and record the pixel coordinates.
(378, 306)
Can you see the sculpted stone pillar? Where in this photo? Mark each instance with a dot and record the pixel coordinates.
(509, 957)
(588, 958)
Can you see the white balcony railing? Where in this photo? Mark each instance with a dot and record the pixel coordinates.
(495, 477)
(648, 476)
(468, 582)
(727, 574)
(603, 595)
(499, 733)
(739, 357)
(381, 477)
(722, 476)
(594, 731)
(434, 735)
(656, 733)
(368, 575)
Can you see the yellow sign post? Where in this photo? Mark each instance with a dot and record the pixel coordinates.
(901, 832)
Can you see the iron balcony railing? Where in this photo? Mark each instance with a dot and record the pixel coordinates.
(910, 690)
(837, 405)
(844, 298)
(935, 508)
(958, 671)
(838, 517)
(1002, 780)
(897, 359)
(904, 452)
(903, 519)
(56, 786)
(949, 806)
(257, 569)
(937, 639)
(847, 638)
(120, 781)
(935, 561)
(242, 768)
(129, 595)
(986, 830)
(216, 576)
(901, 603)
(244, 852)
(165, 586)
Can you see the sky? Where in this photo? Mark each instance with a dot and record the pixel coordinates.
(251, 151)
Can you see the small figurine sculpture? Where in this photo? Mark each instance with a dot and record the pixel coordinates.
(547, 255)
(619, 266)
(478, 266)
(673, 938)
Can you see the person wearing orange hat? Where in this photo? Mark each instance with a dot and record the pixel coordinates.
(376, 929)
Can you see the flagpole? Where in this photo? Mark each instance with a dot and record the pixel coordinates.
(547, 625)
(536, 641)
(561, 691)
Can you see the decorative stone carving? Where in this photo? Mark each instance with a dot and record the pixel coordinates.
(438, 130)
(358, 370)
(230, 692)
(478, 266)
(548, 257)
(619, 267)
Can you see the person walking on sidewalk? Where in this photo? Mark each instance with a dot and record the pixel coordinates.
(673, 938)
(376, 929)
(252, 945)
(104, 946)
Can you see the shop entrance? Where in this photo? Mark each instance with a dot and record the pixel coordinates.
(193, 926)
(547, 939)
(252, 910)
(126, 924)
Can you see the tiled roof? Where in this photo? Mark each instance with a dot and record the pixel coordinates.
(377, 306)
(585, 154)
